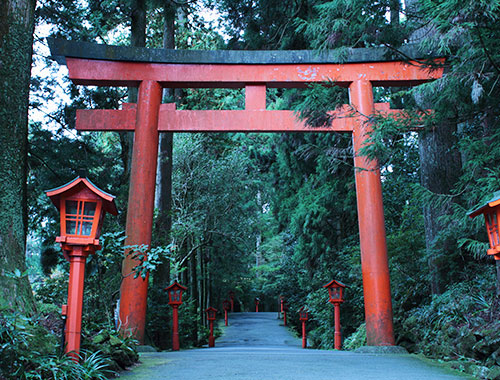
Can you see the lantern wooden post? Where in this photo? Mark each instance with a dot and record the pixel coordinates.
(175, 292)
(257, 301)
(82, 207)
(77, 258)
(303, 317)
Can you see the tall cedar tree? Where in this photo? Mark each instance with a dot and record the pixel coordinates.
(16, 39)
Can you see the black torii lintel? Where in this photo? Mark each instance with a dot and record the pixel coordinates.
(60, 49)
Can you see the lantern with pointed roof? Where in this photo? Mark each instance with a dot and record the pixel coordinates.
(82, 206)
(226, 305)
(336, 291)
(175, 292)
(211, 313)
(491, 211)
(303, 314)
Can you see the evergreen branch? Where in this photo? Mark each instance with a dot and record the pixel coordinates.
(43, 162)
(486, 51)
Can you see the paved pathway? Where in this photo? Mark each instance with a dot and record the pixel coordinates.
(256, 347)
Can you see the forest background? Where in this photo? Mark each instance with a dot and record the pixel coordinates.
(262, 215)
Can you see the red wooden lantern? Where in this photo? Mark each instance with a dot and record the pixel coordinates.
(336, 291)
(257, 302)
(211, 314)
(175, 292)
(303, 314)
(82, 206)
(491, 212)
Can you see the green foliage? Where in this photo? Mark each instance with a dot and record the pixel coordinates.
(357, 339)
(351, 23)
(460, 325)
(29, 351)
(149, 258)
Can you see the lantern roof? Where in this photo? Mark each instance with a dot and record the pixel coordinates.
(175, 285)
(77, 185)
(492, 202)
(334, 283)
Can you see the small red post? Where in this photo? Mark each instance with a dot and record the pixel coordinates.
(304, 337)
(257, 301)
(175, 292)
(175, 328)
(211, 340)
(303, 317)
(77, 258)
(211, 313)
(338, 334)
(226, 305)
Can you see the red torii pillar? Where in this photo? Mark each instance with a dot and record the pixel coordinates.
(374, 263)
(149, 117)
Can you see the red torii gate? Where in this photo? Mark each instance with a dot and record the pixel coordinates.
(152, 70)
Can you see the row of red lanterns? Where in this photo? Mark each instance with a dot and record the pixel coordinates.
(336, 293)
(82, 206)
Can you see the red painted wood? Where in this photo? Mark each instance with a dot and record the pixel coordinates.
(304, 336)
(77, 258)
(172, 120)
(211, 338)
(374, 264)
(338, 334)
(175, 328)
(255, 97)
(118, 73)
(133, 298)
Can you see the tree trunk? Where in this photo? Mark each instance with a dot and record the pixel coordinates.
(163, 198)
(137, 39)
(440, 164)
(395, 9)
(194, 290)
(16, 40)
